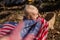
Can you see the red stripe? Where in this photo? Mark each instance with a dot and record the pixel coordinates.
(6, 29)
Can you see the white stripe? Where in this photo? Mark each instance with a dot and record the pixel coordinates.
(44, 37)
(6, 30)
(2, 32)
(7, 27)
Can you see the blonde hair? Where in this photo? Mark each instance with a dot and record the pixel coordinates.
(30, 8)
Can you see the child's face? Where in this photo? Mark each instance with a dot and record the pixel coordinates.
(33, 15)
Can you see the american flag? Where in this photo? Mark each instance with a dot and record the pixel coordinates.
(7, 27)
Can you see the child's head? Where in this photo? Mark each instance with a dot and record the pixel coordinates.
(31, 12)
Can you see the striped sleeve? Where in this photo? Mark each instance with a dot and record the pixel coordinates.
(7, 28)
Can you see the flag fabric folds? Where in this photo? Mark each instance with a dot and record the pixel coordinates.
(7, 27)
